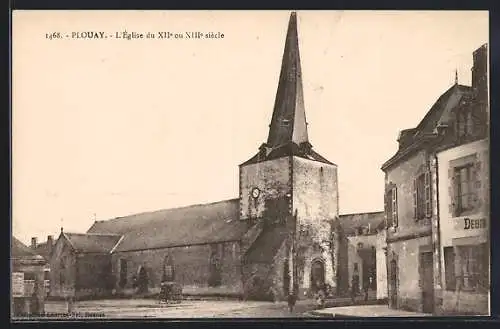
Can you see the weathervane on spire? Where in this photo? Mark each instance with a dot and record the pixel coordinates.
(62, 224)
(456, 76)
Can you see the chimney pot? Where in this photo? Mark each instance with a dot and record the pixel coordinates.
(33, 242)
(50, 243)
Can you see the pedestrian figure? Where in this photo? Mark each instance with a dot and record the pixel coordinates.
(35, 305)
(320, 299)
(354, 287)
(292, 298)
(368, 286)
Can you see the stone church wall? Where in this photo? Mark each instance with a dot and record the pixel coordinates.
(315, 200)
(191, 267)
(62, 270)
(271, 177)
(93, 275)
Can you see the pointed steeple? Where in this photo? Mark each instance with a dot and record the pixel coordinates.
(288, 123)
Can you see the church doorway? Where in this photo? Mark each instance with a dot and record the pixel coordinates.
(369, 267)
(317, 275)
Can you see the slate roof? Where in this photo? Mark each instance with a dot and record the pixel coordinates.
(92, 243)
(424, 131)
(267, 245)
(288, 129)
(351, 222)
(290, 149)
(197, 224)
(20, 250)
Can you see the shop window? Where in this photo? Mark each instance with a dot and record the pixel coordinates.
(473, 268)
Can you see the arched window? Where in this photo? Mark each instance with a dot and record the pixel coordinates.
(168, 269)
(215, 268)
(62, 269)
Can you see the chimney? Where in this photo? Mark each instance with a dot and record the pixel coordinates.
(33, 243)
(480, 72)
(50, 243)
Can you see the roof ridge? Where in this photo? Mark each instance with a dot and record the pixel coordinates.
(94, 234)
(437, 101)
(360, 213)
(167, 209)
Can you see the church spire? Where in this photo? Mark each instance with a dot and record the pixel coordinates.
(288, 123)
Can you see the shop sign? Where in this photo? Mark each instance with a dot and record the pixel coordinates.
(17, 284)
(474, 224)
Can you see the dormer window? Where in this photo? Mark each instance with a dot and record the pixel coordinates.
(465, 124)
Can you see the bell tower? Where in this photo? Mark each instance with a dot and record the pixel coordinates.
(287, 186)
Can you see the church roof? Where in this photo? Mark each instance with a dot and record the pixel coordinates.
(20, 250)
(288, 122)
(264, 249)
(288, 129)
(191, 225)
(351, 222)
(92, 243)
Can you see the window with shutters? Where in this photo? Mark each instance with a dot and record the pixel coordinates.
(465, 185)
(391, 207)
(422, 196)
(465, 193)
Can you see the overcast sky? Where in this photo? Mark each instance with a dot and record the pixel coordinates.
(115, 127)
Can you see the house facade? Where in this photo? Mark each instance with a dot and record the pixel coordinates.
(464, 221)
(44, 249)
(413, 200)
(366, 246)
(27, 280)
(80, 265)
(464, 201)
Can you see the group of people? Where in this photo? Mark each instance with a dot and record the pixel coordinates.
(355, 287)
(321, 291)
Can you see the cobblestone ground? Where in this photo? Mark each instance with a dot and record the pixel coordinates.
(140, 308)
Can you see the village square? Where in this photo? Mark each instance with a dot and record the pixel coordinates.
(281, 248)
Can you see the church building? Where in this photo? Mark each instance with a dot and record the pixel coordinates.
(281, 233)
